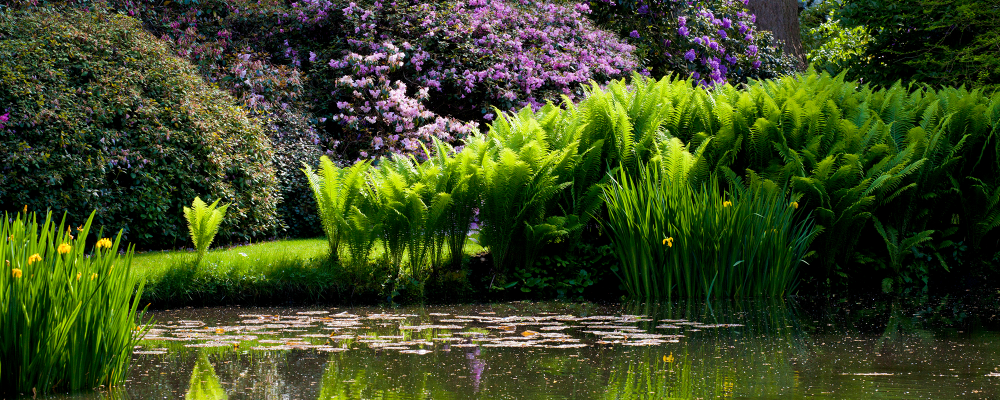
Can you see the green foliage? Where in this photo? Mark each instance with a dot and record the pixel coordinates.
(938, 42)
(675, 240)
(68, 317)
(832, 47)
(102, 115)
(203, 222)
(341, 195)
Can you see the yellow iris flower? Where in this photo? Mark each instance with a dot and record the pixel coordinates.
(16, 272)
(33, 258)
(669, 242)
(65, 248)
(105, 243)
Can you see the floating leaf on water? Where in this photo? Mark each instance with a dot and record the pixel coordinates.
(869, 373)
(645, 342)
(667, 326)
(418, 352)
(554, 327)
(211, 344)
(312, 312)
(567, 346)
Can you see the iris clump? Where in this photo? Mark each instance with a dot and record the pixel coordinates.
(745, 243)
(58, 331)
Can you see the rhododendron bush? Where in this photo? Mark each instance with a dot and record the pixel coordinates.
(412, 72)
(711, 41)
(385, 77)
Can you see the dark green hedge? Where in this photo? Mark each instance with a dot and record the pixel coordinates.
(102, 116)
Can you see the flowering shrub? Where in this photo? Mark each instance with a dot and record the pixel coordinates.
(102, 116)
(465, 59)
(384, 78)
(712, 41)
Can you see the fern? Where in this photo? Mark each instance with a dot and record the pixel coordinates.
(203, 223)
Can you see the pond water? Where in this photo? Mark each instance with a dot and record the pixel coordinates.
(547, 351)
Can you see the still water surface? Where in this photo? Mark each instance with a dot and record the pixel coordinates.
(546, 351)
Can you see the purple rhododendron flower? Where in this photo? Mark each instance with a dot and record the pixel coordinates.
(727, 23)
(713, 45)
(690, 55)
(756, 64)
(722, 33)
(731, 59)
(683, 31)
(748, 37)
(634, 34)
(752, 50)
(695, 75)
(643, 9)
(682, 21)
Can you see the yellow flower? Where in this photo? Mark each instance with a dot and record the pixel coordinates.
(16, 272)
(65, 248)
(669, 359)
(794, 204)
(33, 258)
(92, 276)
(25, 208)
(105, 243)
(78, 275)
(669, 242)
(727, 203)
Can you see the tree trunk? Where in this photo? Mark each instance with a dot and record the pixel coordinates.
(781, 17)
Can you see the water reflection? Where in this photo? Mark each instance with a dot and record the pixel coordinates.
(552, 351)
(204, 382)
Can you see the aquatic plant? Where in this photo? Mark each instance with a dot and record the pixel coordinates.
(675, 239)
(203, 223)
(68, 316)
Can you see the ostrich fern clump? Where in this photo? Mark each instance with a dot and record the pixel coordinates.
(203, 222)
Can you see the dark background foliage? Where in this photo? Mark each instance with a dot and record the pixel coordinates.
(938, 42)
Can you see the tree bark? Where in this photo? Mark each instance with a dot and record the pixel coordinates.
(781, 17)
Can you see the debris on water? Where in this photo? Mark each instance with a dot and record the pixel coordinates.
(330, 331)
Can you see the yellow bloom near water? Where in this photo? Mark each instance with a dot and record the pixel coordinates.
(669, 242)
(33, 258)
(726, 203)
(104, 243)
(16, 272)
(78, 275)
(65, 248)
(795, 204)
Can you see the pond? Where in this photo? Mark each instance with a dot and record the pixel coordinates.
(547, 350)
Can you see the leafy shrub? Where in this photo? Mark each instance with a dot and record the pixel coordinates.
(714, 41)
(68, 317)
(295, 142)
(102, 116)
(941, 43)
(457, 60)
(466, 59)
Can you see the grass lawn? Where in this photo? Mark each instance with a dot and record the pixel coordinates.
(279, 272)
(253, 257)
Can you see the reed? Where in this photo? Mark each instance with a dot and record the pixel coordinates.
(68, 317)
